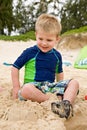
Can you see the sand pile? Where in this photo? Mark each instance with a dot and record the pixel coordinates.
(74, 41)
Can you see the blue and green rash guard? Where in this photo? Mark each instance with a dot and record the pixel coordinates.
(39, 66)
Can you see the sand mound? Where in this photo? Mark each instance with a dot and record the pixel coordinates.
(73, 41)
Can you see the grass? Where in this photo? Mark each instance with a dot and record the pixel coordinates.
(22, 37)
(73, 31)
(31, 35)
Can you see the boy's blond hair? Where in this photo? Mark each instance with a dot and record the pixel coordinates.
(48, 23)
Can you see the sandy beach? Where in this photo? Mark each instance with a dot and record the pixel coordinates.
(28, 115)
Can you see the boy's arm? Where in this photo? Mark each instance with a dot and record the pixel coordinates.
(59, 76)
(15, 81)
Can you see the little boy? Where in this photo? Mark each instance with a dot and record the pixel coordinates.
(42, 64)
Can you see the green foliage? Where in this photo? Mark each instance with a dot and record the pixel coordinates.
(6, 15)
(22, 37)
(22, 17)
(73, 14)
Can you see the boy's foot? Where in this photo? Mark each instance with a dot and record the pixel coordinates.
(62, 108)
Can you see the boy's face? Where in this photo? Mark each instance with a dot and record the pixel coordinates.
(46, 41)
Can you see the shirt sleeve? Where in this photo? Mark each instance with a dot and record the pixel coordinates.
(22, 59)
(59, 67)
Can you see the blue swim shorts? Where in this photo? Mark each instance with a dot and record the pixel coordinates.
(56, 87)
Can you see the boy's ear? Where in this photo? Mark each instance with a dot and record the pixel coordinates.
(58, 38)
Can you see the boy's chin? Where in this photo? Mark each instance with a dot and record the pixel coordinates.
(45, 51)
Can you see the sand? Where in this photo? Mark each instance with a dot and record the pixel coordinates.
(28, 115)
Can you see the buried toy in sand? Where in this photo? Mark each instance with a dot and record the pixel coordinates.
(62, 108)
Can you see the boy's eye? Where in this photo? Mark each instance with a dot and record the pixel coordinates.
(40, 39)
(49, 40)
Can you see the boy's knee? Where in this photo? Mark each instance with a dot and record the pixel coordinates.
(26, 89)
(74, 83)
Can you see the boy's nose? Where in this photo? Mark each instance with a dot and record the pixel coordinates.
(44, 43)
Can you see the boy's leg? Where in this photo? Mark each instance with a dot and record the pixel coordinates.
(63, 108)
(71, 91)
(30, 92)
